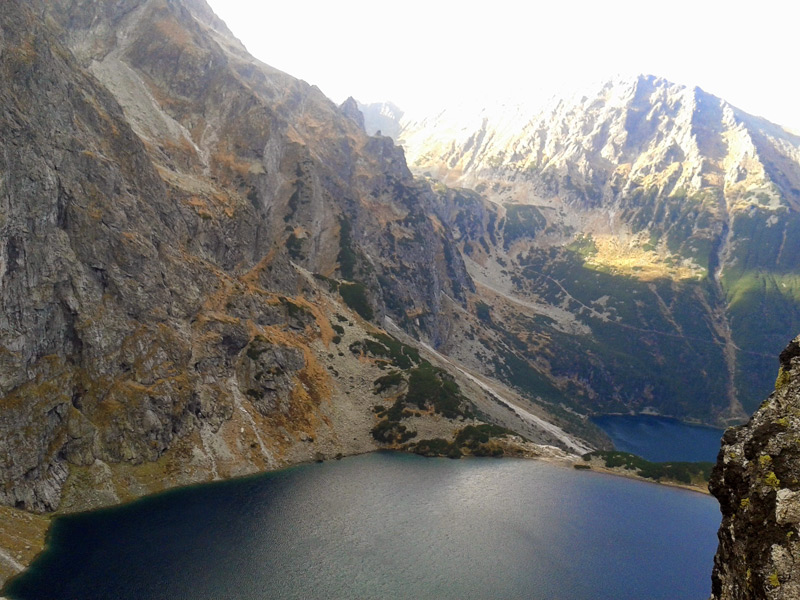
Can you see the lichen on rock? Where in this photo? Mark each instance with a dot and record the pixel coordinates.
(757, 483)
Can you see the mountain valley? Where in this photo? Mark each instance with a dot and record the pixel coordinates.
(208, 269)
(644, 230)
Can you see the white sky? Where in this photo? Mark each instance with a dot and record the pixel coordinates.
(422, 54)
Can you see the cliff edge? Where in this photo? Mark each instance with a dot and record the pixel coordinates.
(757, 483)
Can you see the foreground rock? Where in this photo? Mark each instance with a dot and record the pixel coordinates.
(757, 483)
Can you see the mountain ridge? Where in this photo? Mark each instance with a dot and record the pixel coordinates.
(646, 181)
(209, 269)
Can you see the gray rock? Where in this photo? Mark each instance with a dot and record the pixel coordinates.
(164, 197)
(757, 483)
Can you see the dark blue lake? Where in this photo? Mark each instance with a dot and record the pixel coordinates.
(390, 526)
(660, 439)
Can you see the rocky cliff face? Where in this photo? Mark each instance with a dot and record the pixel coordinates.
(757, 483)
(647, 223)
(196, 254)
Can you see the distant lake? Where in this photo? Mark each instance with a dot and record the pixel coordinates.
(390, 526)
(660, 439)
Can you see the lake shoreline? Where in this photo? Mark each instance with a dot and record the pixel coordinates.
(550, 455)
(692, 422)
(548, 512)
(627, 474)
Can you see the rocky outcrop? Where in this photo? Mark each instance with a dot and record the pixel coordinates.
(350, 109)
(757, 483)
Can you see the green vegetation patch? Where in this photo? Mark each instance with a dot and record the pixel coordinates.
(354, 295)
(762, 287)
(429, 386)
(483, 311)
(296, 311)
(437, 447)
(519, 373)
(392, 432)
(522, 220)
(651, 331)
(474, 440)
(347, 256)
(295, 246)
(683, 472)
(584, 245)
(389, 348)
(473, 435)
(257, 347)
(389, 381)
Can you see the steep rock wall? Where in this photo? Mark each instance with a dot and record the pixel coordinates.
(757, 483)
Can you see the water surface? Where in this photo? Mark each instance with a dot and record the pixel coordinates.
(660, 439)
(390, 526)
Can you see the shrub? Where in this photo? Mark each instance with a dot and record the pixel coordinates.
(295, 246)
(428, 385)
(472, 435)
(437, 447)
(392, 432)
(402, 355)
(487, 450)
(388, 381)
(354, 295)
(684, 472)
(347, 256)
(483, 312)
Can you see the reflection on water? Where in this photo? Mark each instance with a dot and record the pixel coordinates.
(386, 525)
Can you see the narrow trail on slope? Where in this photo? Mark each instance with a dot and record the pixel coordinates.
(9, 560)
(554, 430)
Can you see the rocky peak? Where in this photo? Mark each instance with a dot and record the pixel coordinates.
(628, 132)
(350, 109)
(757, 483)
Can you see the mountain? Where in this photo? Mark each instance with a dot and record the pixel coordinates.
(756, 483)
(381, 117)
(645, 229)
(198, 256)
(208, 269)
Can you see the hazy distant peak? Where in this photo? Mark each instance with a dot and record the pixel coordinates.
(659, 129)
(383, 117)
